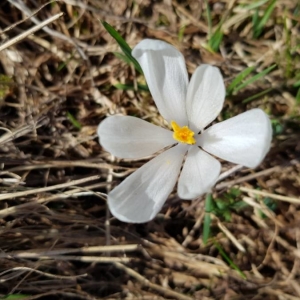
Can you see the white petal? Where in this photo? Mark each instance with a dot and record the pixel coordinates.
(199, 174)
(205, 96)
(167, 78)
(244, 139)
(141, 195)
(130, 137)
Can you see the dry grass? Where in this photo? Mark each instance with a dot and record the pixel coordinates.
(57, 238)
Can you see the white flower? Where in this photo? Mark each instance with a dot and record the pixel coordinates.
(188, 107)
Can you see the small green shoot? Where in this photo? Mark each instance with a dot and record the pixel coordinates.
(122, 57)
(208, 18)
(238, 79)
(64, 64)
(277, 127)
(74, 122)
(260, 23)
(258, 95)
(214, 38)
(123, 45)
(256, 77)
(223, 207)
(207, 218)
(237, 83)
(229, 261)
(271, 204)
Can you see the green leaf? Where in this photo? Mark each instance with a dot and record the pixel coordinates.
(258, 95)
(259, 26)
(122, 57)
(297, 83)
(277, 127)
(64, 63)
(254, 78)
(228, 260)
(207, 218)
(255, 21)
(123, 45)
(74, 122)
(215, 40)
(239, 79)
(208, 18)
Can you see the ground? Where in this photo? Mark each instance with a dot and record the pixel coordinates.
(57, 237)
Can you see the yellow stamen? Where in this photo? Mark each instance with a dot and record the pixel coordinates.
(183, 134)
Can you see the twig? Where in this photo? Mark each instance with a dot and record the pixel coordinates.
(231, 237)
(21, 21)
(22, 7)
(144, 281)
(48, 188)
(95, 259)
(84, 250)
(24, 269)
(23, 35)
(273, 196)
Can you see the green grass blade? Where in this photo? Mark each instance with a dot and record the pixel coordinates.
(263, 21)
(251, 98)
(228, 260)
(255, 21)
(122, 57)
(267, 14)
(123, 45)
(74, 122)
(215, 40)
(208, 17)
(207, 218)
(239, 79)
(65, 63)
(254, 78)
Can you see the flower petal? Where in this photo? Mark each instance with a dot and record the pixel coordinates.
(199, 174)
(166, 75)
(130, 137)
(205, 96)
(141, 195)
(244, 139)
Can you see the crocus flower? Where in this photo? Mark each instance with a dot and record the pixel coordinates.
(189, 107)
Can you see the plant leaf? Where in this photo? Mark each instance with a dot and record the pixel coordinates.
(239, 78)
(74, 122)
(254, 78)
(123, 45)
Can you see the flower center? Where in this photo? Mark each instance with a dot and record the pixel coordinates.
(183, 134)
